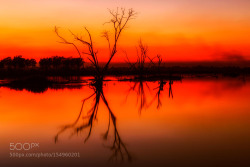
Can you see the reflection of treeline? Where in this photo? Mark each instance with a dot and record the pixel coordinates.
(39, 84)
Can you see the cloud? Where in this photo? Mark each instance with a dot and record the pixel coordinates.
(233, 57)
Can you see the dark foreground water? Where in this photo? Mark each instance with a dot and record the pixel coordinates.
(193, 122)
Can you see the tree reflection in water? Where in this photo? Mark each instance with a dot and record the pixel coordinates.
(118, 147)
(139, 88)
(160, 89)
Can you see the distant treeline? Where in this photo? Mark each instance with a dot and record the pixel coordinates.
(17, 62)
(56, 62)
(19, 67)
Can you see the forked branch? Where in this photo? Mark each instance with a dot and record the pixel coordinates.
(88, 44)
(119, 20)
(64, 41)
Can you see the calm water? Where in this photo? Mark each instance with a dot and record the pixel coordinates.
(193, 122)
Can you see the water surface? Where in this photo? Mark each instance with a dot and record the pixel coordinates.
(193, 122)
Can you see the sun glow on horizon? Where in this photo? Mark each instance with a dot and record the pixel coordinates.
(178, 30)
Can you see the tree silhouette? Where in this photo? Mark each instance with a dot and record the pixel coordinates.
(119, 20)
(57, 62)
(140, 66)
(30, 63)
(61, 63)
(141, 57)
(6, 62)
(18, 62)
(45, 63)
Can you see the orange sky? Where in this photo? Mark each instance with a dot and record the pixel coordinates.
(179, 30)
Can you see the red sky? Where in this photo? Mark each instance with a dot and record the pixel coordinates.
(179, 30)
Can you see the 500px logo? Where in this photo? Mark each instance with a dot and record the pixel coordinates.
(23, 146)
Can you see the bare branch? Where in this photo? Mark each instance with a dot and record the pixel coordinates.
(105, 34)
(64, 41)
(119, 19)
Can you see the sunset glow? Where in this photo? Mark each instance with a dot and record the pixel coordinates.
(179, 30)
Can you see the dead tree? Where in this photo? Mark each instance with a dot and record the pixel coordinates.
(141, 66)
(142, 56)
(159, 61)
(119, 20)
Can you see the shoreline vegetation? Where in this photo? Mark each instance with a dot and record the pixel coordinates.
(19, 67)
(60, 73)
